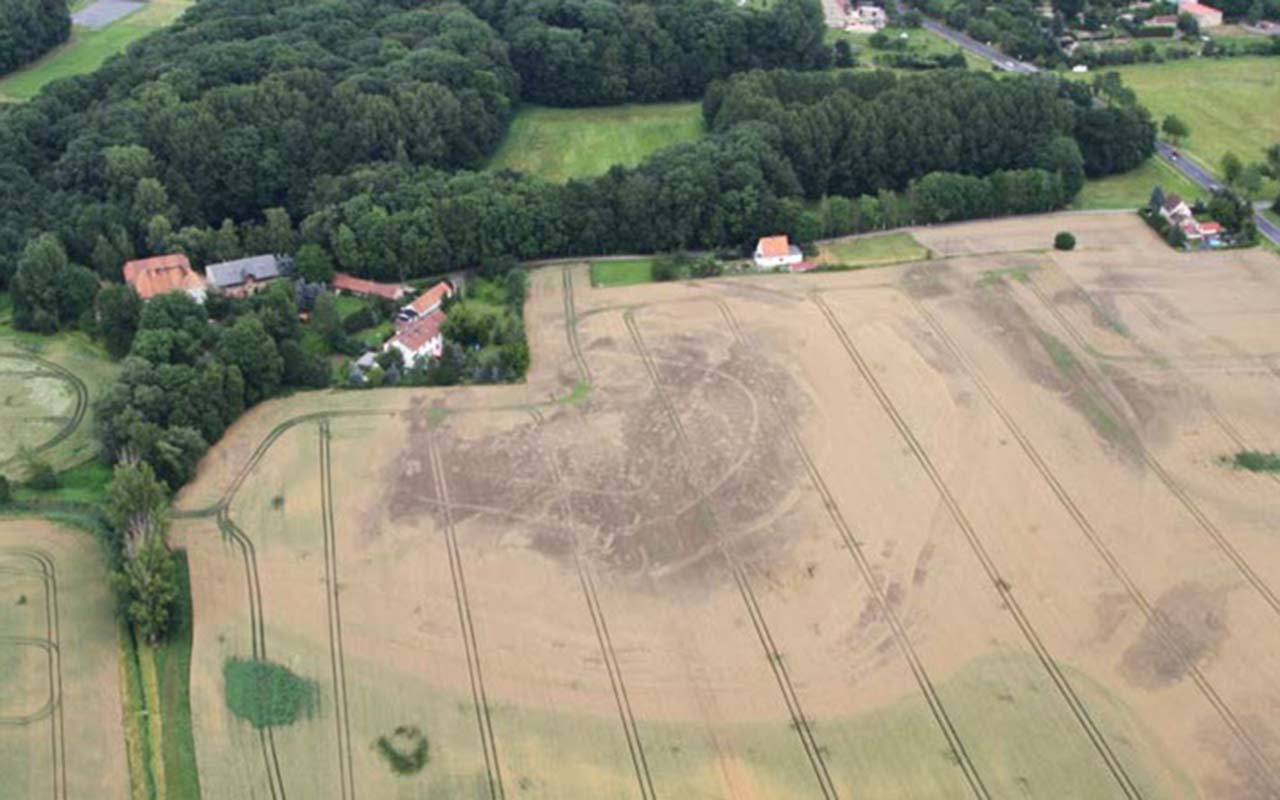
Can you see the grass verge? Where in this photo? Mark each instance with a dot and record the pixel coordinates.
(868, 251)
(563, 143)
(1133, 188)
(166, 672)
(622, 273)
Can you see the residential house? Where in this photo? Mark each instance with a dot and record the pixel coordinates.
(1178, 213)
(244, 276)
(1174, 209)
(776, 251)
(866, 19)
(343, 283)
(1205, 16)
(425, 303)
(419, 338)
(151, 277)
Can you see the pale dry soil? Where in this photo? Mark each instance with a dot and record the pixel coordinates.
(60, 729)
(948, 529)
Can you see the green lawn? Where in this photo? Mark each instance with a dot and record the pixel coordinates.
(1230, 104)
(347, 305)
(563, 143)
(622, 273)
(869, 251)
(87, 49)
(1133, 188)
(919, 42)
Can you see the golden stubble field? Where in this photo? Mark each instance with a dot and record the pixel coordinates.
(60, 729)
(955, 528)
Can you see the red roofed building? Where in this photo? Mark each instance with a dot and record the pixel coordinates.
(1205, 16)
(425, 303)
(776, 251)
(151, 277)
(350, 284)
(419, 338)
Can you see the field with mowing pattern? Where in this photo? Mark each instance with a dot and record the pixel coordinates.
(60, 729)
(1229, 104)
(87, 49)
(563, 143)
(47, 389)
(957, 527)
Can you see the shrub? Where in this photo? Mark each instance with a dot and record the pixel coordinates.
(38, 473)
(366, 317)
(6, 493)
(266, 694)
(1257, 461)
(406, 750)
(1064, 241)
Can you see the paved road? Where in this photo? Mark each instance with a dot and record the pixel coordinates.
(1000, 60)
(1205, 180)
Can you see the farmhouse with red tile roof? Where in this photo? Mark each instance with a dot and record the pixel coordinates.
(151, 277)
(350, 284)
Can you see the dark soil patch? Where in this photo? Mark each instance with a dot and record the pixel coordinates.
(1195, 617)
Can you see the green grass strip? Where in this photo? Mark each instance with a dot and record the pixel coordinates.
(167, 675)
(267, 695)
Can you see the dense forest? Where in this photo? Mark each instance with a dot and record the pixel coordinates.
(29, 29)
(354, 131)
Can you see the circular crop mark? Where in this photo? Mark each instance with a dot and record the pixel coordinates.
(41, 404)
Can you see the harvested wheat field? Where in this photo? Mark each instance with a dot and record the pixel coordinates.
(60, 729)
(950, 529)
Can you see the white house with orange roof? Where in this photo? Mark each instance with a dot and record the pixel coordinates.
(777, 251)
(425, 303)
(419, 338)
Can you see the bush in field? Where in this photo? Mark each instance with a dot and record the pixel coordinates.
(1257, 461)
(6, 493)
(38, 474)
(406, 750)
(1064, 241)
(267, 695)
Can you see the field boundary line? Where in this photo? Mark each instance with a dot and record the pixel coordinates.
(571, 325)
(1082, 522)
(258, 640)
(852, 546)
(1188, 503)
(813, 751)
(337, 659)
(1002, 587)
(47, 573)
(586, 579)
(484, 719)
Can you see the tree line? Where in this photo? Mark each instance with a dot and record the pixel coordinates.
(594, 52)
(29, 29)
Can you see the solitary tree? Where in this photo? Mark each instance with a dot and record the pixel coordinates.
(844, 54)
(1188, 25)
(1175, 128)
(1231, 168)
(1249, 182)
